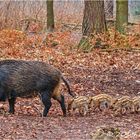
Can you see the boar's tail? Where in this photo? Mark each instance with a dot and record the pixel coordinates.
(68, 87)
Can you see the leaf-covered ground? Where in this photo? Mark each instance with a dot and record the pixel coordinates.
(116, 73)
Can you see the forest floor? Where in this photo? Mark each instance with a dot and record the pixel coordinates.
(115, 73)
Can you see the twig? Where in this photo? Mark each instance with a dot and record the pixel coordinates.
(124, 49)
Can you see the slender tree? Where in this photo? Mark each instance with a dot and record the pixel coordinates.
(121, 15)
(93, 20)
(50, 16)
(50, 20)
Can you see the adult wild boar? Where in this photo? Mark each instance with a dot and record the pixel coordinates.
(20, 78)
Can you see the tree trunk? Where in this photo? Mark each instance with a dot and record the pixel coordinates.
(121, 15)
(93, 22)
(94, 17)
(50, 16)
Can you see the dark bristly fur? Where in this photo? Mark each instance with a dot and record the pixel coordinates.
(20, 78)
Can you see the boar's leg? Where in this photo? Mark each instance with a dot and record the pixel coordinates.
(2, 94)
(12, 105)
(46, 99)
(61, 100)
(11, 100)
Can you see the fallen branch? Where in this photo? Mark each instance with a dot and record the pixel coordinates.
(122, 49)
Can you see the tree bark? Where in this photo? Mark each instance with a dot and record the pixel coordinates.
(50, 16)
(121, 15)
(93, 22)
(94, 17)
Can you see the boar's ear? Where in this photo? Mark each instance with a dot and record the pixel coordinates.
(114, 100)
(70, 103)
(90, 99)
(76, 95)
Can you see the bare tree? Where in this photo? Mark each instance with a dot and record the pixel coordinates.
(7, 13)
(93, 21)
(121, 15)
(50, 16)
(94, 17)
